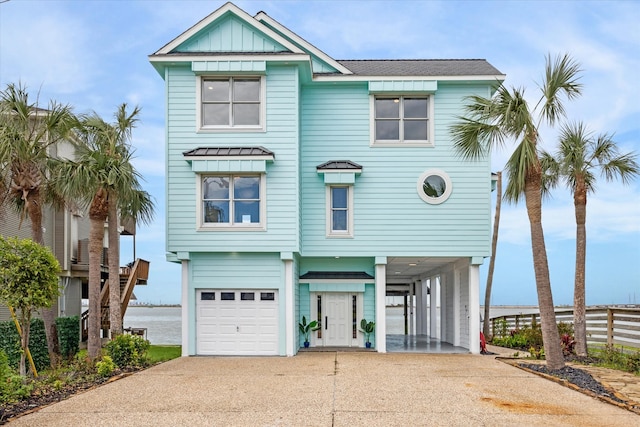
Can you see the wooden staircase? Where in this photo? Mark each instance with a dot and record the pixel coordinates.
(130, 276)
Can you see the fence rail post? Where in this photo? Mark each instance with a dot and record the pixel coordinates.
(609, 327)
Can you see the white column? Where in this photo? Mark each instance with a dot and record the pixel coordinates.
(381, 315)
(442, 281)
(419, 308)
(289, 308)
(185, 307)
(424, 326)
(474, 309)
(435, 299)
(456, 307)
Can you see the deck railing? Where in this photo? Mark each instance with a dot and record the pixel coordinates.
(605, 325)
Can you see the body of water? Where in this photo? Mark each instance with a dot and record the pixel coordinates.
(164, 324)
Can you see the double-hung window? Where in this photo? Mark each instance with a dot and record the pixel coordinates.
(231, 103)
(232, 200)
(402, 119)
(340, 211)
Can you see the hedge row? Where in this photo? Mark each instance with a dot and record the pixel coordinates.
(68, 334)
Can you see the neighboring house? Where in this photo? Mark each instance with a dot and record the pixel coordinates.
(300, 185)
(66, 233)
(64, 230)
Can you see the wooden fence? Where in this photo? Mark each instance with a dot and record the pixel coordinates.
(605, 325)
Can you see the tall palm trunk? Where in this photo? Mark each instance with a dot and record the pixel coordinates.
(550, 337)
(115, 313)
(579, 310)
(97, 215)
(33, 204)
(486, 328)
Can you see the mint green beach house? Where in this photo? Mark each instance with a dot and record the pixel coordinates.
(300, 185)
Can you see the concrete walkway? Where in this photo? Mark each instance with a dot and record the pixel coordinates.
(332, 389)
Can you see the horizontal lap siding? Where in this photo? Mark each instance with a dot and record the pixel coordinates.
(282, 191)
(389, 217)
(239, 271)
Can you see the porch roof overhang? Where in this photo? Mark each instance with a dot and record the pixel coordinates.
(336, 275)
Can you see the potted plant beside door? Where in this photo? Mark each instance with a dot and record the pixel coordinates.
(367, 328)
(306, 328)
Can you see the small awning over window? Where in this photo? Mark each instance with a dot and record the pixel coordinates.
(229, 159)
(339, 171)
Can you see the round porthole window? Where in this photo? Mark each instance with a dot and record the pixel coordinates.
(434, 186)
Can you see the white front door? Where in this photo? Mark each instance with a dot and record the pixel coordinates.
(338, 322)
(338, 313)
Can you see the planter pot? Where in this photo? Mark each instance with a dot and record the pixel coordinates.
(367, 344)
(306, 344)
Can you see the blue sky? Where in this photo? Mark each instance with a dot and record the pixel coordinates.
(93, 55)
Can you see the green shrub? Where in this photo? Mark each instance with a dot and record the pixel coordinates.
(565, 328)
(10, 344)
(69, 335)
(633, 363)
(533, 336)
(128, 351)
(501, 328)
(105, 367)
(12, 386)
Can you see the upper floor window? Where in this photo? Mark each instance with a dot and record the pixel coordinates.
(231, 103)
(340, 211)
(232, 200)
(402, 119)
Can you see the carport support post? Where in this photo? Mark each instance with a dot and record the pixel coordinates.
(185, 307)
(289, 315)
(474, 306)
(420, 307)
(433, 306)
(381, 304)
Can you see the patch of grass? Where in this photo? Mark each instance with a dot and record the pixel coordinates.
(616, 357)
(163, 353)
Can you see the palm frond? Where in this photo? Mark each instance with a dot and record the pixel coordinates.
(470, 138)
(550, 173)
(561, 78)
(519, 166)
(624, 166)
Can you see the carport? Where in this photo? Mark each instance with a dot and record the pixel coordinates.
(439, 305)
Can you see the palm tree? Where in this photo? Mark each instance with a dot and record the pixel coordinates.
(105, 180)
(492, 261)
(124, 202)
(578, 157)
(507, 115)
(27, 136)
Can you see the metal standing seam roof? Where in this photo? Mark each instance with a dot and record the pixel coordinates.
(336, 275)
(339, 164)
(420, 67)
(228, 151)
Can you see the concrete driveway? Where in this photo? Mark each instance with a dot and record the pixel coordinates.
(332, 389)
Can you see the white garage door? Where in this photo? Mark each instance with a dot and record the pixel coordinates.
(237, 322)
